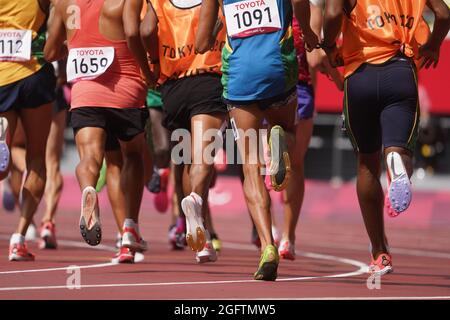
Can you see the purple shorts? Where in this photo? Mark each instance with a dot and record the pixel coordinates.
(305, 99)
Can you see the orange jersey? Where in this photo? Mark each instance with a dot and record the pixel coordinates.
(376, 30)
(177, 26)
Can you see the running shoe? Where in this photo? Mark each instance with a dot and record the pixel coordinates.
(216, 243)
(19, 252)
(124, 255)
(118, 243)
(399, 193)
(255, 238)
(101, 182)
(32, 232)
(220, 160)
(287, 250)
(195, 231)
(208, 254)
(382, 265)
(48, 236)
(180, 233)
(161, 198)
(268, 264)
(257, 242)
(133, 240)
(4, 149)
(90, 226)
(8, 201)
(280, 165)
(276, 236)
(154, 185)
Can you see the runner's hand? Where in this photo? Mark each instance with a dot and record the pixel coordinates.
(429, 54)
(311, 41)
(334, 56)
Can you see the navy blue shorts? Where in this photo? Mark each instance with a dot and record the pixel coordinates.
(30, 92)
(381, 106)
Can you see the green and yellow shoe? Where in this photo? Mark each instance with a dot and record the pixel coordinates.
(268, 265)
(280, 164)
(101, 182)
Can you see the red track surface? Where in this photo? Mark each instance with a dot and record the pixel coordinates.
(421, 261)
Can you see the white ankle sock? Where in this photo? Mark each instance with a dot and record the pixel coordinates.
(17, 238)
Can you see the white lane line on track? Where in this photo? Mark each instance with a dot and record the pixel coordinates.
(358, 298)
(75, 244)
(362, 268)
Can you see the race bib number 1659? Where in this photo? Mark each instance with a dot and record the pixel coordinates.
(88, 63)
(251, 17)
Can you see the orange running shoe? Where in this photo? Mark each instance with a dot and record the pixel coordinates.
(382, 265)
(19, 252)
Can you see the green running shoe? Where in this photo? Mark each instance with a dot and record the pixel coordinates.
(268, 265)
(101, 182)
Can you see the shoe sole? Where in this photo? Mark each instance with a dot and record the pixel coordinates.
(205, 259)
(129, 241)
(93, 235)
(5, 154)
(400, 193)
(195, 231)
(267, 272)
(399, 190)
(283, 163)
(382, 272)
(20, 259)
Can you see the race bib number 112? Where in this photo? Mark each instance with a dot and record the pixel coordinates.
(15, 45)
(251, 17)
(88, 63)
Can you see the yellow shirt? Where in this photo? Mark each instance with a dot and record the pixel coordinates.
(23, 15)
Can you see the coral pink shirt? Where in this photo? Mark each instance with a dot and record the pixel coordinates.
(121, 85)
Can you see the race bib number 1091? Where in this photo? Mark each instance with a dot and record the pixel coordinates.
(88, 63)
(251, 17)
(15, 45)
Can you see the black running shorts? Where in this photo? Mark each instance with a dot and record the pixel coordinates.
(120, 124)
(186, 97)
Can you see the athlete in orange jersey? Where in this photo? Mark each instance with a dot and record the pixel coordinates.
(382, 42)
(105, 61)
(191, 92)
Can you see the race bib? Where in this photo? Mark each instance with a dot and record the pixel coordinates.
(15, 45)
(252, 17)
(88, 63)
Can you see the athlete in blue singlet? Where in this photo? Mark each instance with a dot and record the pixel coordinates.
(259, 66)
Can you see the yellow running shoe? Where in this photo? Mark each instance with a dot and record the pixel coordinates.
(268, 264)
(280, 164)
(216, 243)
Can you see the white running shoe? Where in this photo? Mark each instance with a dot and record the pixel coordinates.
(32, 233)
(399, 186)
(132, 239)
(195, 231)
(208, 254)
